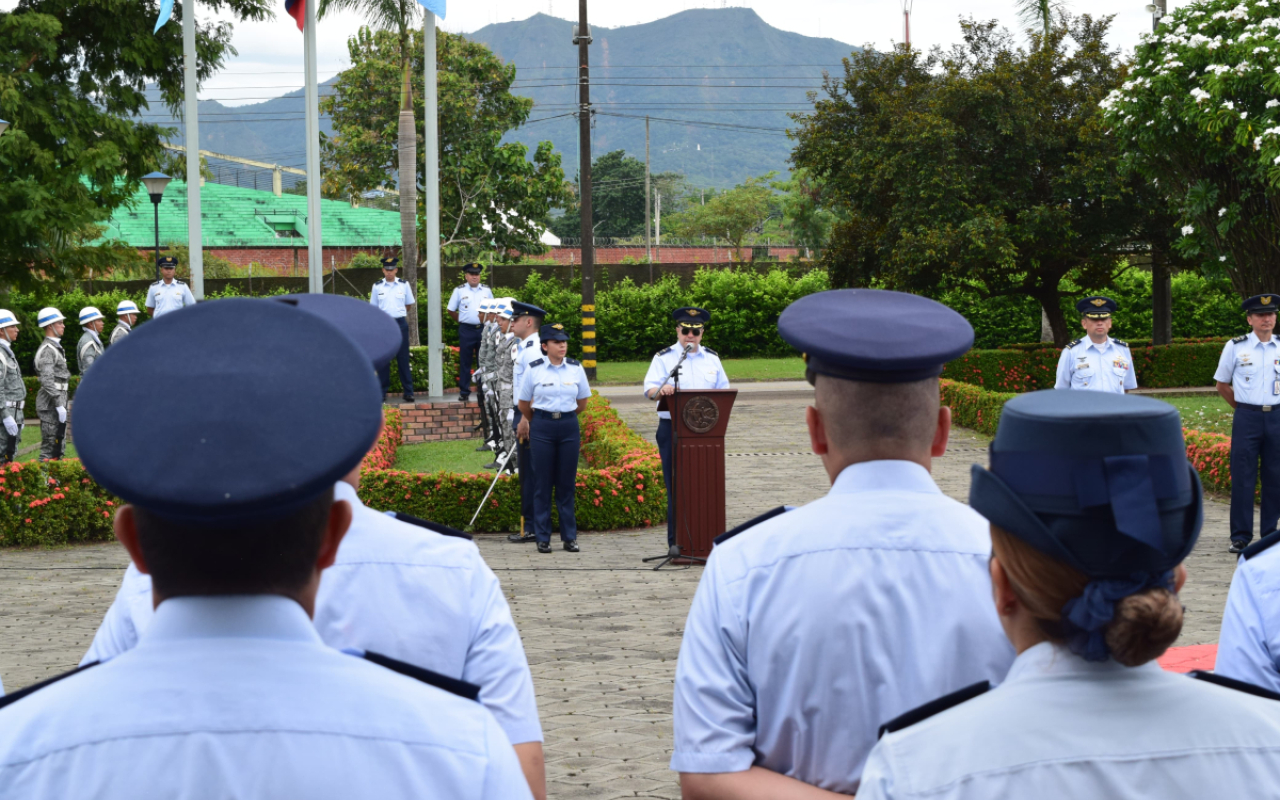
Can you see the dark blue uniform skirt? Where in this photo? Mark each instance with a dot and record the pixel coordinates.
(556, 443)
(1254, 434)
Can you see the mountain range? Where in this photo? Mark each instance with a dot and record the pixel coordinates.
(717, 84)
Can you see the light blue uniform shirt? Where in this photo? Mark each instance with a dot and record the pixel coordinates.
(1098, 368)
(528, 350)
(1253, 370)
(554, 388)
(238, 697)
(466, 301)
(701, 370)
(1249, 642)
(402, 591)
(810, 630)
(1062, 727)
(166, 297)
(393, 297)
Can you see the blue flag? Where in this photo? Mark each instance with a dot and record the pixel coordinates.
(166, 11)
(434, 6)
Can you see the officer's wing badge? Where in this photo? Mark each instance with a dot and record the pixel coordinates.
(1266, 301)
(1097, 301)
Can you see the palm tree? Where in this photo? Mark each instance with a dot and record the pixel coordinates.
(1039, 13)
(398, 16)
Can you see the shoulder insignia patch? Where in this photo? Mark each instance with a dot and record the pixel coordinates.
(528, 343)
(157, 283)
(1232, 683)
(453, 685)
(665, 350)
(179, 282)
(751, 523)
(1073, 343)
(35, 687)
(712, 352)
(572, 361)
(1121, 342)
(443, 530)
(1239, 339)
(536, 362)
(1261, 545)
(934, 708)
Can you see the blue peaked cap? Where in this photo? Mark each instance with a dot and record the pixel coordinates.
(1099, 481)
(371, 328)
(262, 407)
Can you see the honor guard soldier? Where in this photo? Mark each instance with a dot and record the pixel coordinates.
(126, 316)
(484, 360)
(700, 369)
(526, 319)
(395, 297)
(90, 346)
(812, 627)
(553, 391)
(55, 380)
(13, 393)
(464, 307)
(168, 293)
(504, 359)
(235, 523)
(1093, 507)
(1248, 378)
(387, 569)
(1096, 362)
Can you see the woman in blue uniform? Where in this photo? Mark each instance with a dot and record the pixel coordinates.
(1093, 507)
(552, 392)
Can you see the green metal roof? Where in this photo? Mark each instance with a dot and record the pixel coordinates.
(235, 217)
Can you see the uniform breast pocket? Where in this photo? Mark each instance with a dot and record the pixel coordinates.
(1247, 370)
(1083, 373)
(1119, 369)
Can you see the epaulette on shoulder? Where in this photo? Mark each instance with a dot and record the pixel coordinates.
(572, 361)
(179, 282)
(157, 283)
(536, 362)
(1121, 342)
(934, 707)
(1239, 339)
(443, 530)
(709, 350)
(1074, 342)
(528, 342)
(665, 350)
(35, 687)
(751, 523)
(1261, 545)
(452, 685)
(1232, 683)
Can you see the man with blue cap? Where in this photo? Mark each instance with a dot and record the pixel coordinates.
(1096, 362)
(812, 627)
(1093, 508)
(126, 316)
(90, 346)
(13, 392)
(390, 567)
(168, 294)
(233, 515)
(1248, 378)
(464, 307)
(395, 297)
(526, 320)
(55, 382)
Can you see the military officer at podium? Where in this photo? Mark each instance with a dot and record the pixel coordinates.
(700, 369)
(1096, 362)
(812, 627)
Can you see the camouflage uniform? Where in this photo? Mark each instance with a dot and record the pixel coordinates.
(51, 366)
(88, 351)
(13, 396)
(121, 330)
(504, 378)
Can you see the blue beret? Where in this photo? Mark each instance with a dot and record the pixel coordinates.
(1096, 307)
(372, 329)
(391, 262)
(1261, 302)
(1097, 480)
(553, 333)
(271, 412)
(519, 309)
(692, 316)
(875, 336)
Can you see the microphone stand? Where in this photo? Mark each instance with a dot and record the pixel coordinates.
(667, 558)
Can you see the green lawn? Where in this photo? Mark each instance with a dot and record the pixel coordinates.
(455, 456)
(31, 436)
(1207, 413)
(616, 373)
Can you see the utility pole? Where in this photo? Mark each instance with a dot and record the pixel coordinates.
(648, 196)
(582, 38)
(1161, 279)
(906, 22)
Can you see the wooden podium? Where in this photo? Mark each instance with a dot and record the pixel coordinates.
(699, 418)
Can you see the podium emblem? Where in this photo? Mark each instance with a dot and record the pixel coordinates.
(701, 414)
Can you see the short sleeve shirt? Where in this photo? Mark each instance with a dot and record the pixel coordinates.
(166, 297)
(1249, 642)
(1097, 368)
(701, 370)
(393, 297)
(466, 301)
(553, 387)
(1252, 368)
(527, 351)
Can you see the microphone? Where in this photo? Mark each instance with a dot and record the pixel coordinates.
(688, 348)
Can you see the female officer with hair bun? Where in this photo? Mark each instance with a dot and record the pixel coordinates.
(1093, 507)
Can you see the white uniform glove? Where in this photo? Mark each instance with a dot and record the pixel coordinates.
(11, 425)
(62, 413)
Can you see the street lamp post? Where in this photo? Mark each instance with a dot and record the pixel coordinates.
(1161, 277)
(156, 183)
(1157, 11)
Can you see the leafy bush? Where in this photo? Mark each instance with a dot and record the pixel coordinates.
(419, 363)
(622, 489)
(974, 408)
(1026, 370)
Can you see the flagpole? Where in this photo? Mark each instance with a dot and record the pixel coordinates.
(431, 150)
(315, 245)
(191, 85)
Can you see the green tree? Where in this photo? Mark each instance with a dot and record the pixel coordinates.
(1199, 117)
(804, 210)
(985, 168)
(734, 213)
(491, 195)
(73, 75)
(617, 200)
(1038, 14)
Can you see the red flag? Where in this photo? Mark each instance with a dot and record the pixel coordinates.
(296, 9)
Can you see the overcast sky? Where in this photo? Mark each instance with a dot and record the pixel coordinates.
(270, 59)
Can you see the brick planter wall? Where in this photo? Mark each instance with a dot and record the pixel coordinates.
(438, 422)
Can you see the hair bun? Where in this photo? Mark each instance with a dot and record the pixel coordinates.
(1145, 625)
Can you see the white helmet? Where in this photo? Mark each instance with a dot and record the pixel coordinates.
(7, 319)
(89, 314)
(126, 307)
(504, 307)
(48, 316)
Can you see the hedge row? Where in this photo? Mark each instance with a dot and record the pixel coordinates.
(1026, 370)
(621, 489)
(974, 408)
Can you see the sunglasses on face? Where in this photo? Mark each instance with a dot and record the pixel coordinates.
(690, 331)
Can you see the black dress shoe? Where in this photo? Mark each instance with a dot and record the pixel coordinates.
(408, 397)
(484, 446)
(571, 546)
(491, 465)
(1237, 546)
(544, 547)
(519, 539)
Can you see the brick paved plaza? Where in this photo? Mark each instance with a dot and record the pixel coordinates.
(602, 631)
